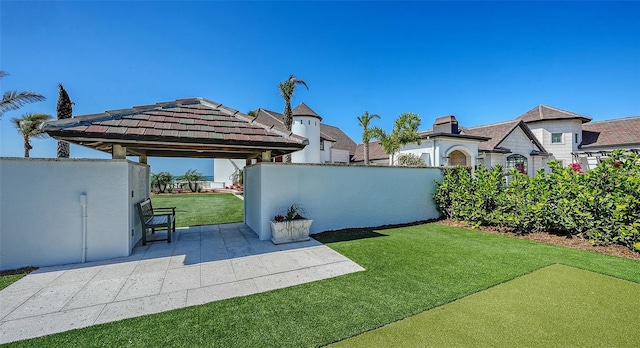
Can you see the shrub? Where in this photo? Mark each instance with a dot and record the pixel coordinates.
(602, 204)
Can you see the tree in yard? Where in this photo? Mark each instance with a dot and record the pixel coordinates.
(405, 131)
(193, 177)
(364, 121)
(64, 110)
(13, 100)
(29, 127)
(287, 87)
(161, 181)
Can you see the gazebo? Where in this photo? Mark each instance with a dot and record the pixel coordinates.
(187, 128)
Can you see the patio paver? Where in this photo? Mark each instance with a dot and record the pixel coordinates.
(203, 264)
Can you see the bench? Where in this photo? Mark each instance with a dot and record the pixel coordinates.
(153, 221)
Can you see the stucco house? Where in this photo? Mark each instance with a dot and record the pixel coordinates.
(526, 143)
(327, 144)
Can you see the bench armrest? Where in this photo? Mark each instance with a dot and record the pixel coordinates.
(165, 208)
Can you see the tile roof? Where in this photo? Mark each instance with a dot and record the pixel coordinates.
(193, 127)
(342, 141)
(619, 132)
(327, 132)
(376, 152)
(304, 110)
(544, 112)
(500, 131)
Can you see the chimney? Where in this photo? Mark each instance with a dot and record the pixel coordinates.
(446, 124)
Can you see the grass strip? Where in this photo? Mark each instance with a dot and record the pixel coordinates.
(195, 209)
(555, 306)
(9, 279)
(408, 270)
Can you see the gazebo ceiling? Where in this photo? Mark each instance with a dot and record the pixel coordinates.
(188, 128)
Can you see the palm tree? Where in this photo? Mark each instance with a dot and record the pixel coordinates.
(287, 87)
(64, 109)
(364, 121)
(29, 127)
(13, 100)
(405, 131)
(193, 177)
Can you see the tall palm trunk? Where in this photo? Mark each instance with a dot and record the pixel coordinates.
(288, 123)
(366, 154)
(287, 87)
(27, 145)
(64, 110)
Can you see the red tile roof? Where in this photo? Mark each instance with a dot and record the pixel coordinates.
(544, 113)
(196, 123)
(623, 132)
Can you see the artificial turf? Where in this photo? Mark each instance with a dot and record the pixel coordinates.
(556, 306)
(195, 209)
(408, 270)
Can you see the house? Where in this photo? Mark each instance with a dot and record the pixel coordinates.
(327, 144)
(526, 143)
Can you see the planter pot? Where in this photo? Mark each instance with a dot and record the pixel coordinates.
(290, 231)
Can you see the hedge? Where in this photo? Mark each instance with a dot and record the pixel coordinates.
(602, 204)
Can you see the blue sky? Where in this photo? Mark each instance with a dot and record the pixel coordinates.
(483, 62)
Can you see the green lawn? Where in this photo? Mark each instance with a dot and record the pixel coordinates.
(9, 279)
(195, 209)
(537, 309)
(408, 271)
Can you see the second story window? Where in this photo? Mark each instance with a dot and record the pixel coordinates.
(575, 136)
(556, 138)
(321, 145)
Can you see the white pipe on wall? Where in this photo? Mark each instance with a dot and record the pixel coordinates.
(83, 204)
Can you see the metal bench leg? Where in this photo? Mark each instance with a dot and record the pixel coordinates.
(169, 224)
(144, 235)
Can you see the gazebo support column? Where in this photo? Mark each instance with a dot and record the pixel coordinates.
(142, 159)
(119, 152)
(266, 156)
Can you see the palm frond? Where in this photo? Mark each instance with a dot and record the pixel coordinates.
(13, 100)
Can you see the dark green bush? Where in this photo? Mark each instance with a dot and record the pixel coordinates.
(603, 204)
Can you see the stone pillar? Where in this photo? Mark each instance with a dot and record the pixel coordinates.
(143, 159)
(266, 156)
(119, 152)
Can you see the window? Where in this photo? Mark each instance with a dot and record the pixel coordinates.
(575, 136)
(518, 162)
(321, 145)
(556, 138)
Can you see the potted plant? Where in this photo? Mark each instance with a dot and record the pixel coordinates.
(290, 226)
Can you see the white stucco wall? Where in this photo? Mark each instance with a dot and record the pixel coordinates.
(562, 151)
(307, 127)
(223, 169)
(434, 150)
(41, 219)
(326, 153)
(361, 197)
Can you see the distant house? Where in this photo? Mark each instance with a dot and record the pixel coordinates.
(327, 144)
(526, 143)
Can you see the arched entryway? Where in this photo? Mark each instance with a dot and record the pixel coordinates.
(458, 158)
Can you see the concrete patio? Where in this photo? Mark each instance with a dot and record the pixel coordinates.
(203, 264)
